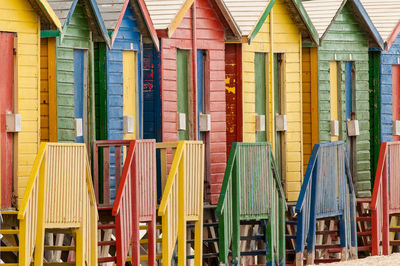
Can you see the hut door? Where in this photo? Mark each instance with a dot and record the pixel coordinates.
(260, 93)
(334, 95)
(80, 90)
(201, 108)
(182, 94)
(350, 114)
(279, 110)
(233, 94)
(6, 106)
(130, 101)
(396, 96)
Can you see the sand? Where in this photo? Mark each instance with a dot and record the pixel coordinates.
(393, 259)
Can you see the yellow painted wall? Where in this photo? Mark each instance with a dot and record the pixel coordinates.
(18, 16)
(286, 39)
(333, 76)
(130, 89)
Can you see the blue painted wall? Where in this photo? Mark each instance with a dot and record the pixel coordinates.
(128, 35)
(128, 38)
(388, 59)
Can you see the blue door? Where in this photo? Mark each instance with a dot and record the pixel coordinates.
(79, 69)
(200, 89)
(349, 101)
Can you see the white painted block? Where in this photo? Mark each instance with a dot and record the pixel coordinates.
(204, 122)
(334, 128)
(260, 122)
(128, 125)
(13, 122)
(78, 127)
(352, 128)
(396, 128)
(280, 122)
(181, 121)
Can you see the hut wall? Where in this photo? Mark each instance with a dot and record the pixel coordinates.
(346, 41)
(210, 37)
(18, 16)
(128, 38)
(76, 36)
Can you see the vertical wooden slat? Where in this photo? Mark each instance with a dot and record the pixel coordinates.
(117, 165)
(106, 176)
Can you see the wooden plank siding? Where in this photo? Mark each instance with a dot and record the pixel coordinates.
(285, 38)
(346, 41)
(44, 91)
(76, 36)
(128, 38)
(19, 17)
(210, 37)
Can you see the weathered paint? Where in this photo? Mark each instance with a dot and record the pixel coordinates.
(151, 93)
(233, 94)
(25, 22)
(6, 105)
(310, 101)
(210, 37)
(285, 39)
(76, 36)
(355, 49)
(130, 92)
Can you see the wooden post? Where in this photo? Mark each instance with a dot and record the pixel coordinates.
(313, 216)
(235, 215)
(385, 210)
(182, 210)
(39, 243)
(135, 212)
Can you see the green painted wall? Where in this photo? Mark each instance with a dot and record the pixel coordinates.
(76, 36)
(347, 41)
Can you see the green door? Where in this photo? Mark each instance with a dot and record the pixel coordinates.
(260, 91)
(182, 80)
(278, 109)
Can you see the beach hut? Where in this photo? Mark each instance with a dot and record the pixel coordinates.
(336, 94)
(67, 86)
(263, 82)
(192, 35)
(384, 72)
(119, 71)
(20, 25)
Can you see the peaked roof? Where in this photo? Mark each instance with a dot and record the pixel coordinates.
(251, 15)
(168, 14)
(323, 13)
(64, 9)
(246, 13)
(113, 12)
(385, 14)
(46, 13)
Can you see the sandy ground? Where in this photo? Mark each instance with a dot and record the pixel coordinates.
(393, 259)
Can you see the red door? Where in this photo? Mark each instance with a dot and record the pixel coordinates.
(396, 95)
(6, 105)
(233, 94)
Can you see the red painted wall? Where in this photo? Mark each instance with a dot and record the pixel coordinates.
(210, 36)
(396, 96)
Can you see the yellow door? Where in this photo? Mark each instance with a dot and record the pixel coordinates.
(130, 93)
(334, 94)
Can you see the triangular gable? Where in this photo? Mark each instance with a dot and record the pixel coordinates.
(322, 10)
(64, 10)
(47, 14)
(385, 14)
(113, 13)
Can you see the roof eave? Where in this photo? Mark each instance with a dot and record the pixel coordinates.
(253, 33)
(307, 21)
(229, 19)
(392, 37)
(100, 22)
(179, 17)
(49, 13)
(149, 24)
